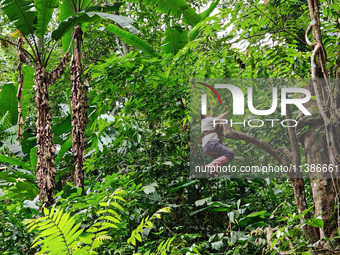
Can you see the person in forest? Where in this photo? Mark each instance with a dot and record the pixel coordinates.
(212, 140)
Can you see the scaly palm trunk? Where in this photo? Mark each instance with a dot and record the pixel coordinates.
(79, 109)
(45, 172)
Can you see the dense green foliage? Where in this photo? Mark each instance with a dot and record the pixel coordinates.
(138, 197)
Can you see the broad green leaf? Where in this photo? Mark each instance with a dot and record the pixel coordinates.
(22, 184)
(60, 128)
(28, 73)
(28, 142)
(65, 10)
(138, 237)
(217, 245)
(45, 11)
(202, 201)
(175, 8)
(84, 17)
(104, 7)
(14, 161)
(113, 213)
(231, 216)
(33, 157)
(64, 148)
(21, 13)
(117, 206)
(8, 102)
(315, 222)
(110, 218)
(105, 225)
(133, 40)
(211, 8)
(175, 39)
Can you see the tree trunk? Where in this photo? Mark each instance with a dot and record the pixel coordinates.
(296, 178)
(320, 142)
(22, 59)
(79, 109)
(45, 172)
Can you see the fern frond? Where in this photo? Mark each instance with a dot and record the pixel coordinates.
(5, 121)
(11, 130)
(109, 219)
(58, 232)
(164, 247)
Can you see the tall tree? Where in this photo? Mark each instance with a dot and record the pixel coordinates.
(32, 19)
(79, 94)
(33, 25)
(74, 11)
(326, 186)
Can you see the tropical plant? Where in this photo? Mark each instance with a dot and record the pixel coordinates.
(138, 133)
(7, 130)
(35, 34)
(175, 37)
(146, 223)
(60, 234)
(73, 14)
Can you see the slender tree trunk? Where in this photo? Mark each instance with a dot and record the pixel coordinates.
(313, 142)
(296, 178)
(79, 109)
(45, 172)
(324, 92)
(22, 59)
(321, 142)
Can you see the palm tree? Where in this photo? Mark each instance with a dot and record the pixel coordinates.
(69, 10)
(23, 14)
(31, 18)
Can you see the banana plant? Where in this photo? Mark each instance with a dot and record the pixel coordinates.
(32, 18)
(175, 37)
(174, 8)
(73, 14)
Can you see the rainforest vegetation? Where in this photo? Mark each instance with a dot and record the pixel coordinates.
(96, 127)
